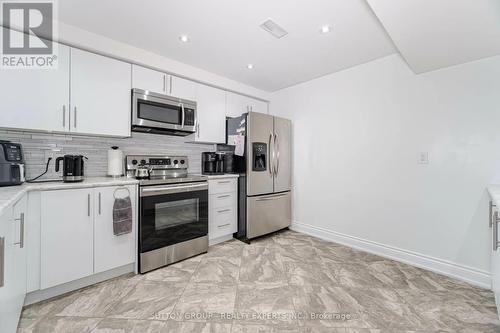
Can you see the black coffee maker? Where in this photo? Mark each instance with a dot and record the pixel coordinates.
(212, 163)
(72, 167)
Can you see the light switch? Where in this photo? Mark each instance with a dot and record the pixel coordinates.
(423, 158)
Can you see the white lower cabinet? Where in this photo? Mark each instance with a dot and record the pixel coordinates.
(77, 238)
(66, 236)
(112, 251)
(12, 265)
(223, 210)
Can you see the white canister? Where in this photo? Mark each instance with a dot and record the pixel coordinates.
(115, 162)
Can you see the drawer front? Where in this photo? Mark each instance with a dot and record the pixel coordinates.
(217, 186)
(222, 200)
(222, 223)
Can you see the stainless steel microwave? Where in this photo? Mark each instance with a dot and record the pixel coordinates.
(162, 114)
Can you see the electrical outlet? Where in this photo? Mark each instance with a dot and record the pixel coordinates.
(423, 158)
(52, 153)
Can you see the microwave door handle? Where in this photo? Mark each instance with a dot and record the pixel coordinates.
(183, 115)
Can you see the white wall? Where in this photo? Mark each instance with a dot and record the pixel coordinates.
(86, 40)
(357, 138)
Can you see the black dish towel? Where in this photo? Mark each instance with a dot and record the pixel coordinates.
(122, 216)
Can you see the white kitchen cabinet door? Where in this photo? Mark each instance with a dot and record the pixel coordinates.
(182, 88)
(236, 104)
(13, 256)
(149, 79)
(239, 104)
(211, 114)
(112, 251)
(256, 105)
(100, 95)
(37, 99)
(9, 310)
(66, 236)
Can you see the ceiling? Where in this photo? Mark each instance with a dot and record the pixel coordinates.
(225, 35)
(432, 34)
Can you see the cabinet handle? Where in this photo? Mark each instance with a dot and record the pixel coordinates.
(74, 124)
(64, 115)
(223, 196)
(224, 182)
(164, 83)
(223, 211)
(223, 225)
(99, 203)
(21, 231)
(2, 261)
(88, 204)
(170, 85)
(495, 231)
(491, 213)
(198, 129)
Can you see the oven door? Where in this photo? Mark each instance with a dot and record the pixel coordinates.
(171, 214)
(152, 110)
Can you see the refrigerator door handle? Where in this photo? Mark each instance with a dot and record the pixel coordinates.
(277, 149)
(271, 155)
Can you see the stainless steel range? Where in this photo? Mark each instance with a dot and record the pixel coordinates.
(173, 210)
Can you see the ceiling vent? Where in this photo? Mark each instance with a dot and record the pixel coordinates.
(274, 29)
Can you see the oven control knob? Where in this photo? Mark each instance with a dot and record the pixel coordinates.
(176, 161)
(143, 161)
(182, 162)
(134, 162)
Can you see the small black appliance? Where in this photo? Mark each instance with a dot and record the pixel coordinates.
(73, 166)
(212, 163)
(11, 164)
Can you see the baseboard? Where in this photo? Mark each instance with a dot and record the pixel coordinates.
(471, 275)
(41, 295)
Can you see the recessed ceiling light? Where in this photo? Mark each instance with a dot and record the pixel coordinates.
(250, 66)
(325, 29)
(184, 38)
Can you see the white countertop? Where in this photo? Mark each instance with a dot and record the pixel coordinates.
(10, 194)
(226, 175)
(494, 191)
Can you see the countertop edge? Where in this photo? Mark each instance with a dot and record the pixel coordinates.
(19, 190)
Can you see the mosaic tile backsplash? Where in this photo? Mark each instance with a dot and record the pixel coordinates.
(38, 147)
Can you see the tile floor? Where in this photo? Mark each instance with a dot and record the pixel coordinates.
(288, 282)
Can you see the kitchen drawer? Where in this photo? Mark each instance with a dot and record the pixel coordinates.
(224, 185)
(222, 200)
(222, 222)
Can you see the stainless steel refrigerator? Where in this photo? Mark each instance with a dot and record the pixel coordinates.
(264, 199)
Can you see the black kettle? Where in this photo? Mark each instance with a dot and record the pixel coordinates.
(73, 166)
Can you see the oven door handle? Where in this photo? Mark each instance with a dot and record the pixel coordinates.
(150, 191)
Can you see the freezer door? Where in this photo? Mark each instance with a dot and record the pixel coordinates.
(268, 213)
(260, 153)
(283, 161)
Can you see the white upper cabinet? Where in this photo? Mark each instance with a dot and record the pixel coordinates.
(182, 88)
(256, 105)
(149, 79)
(161, 83)
(112, 251)
(100, 95)
(37, 99)
(239, 104)
(211, 114)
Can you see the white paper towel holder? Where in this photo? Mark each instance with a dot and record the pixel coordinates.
(115, 162)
